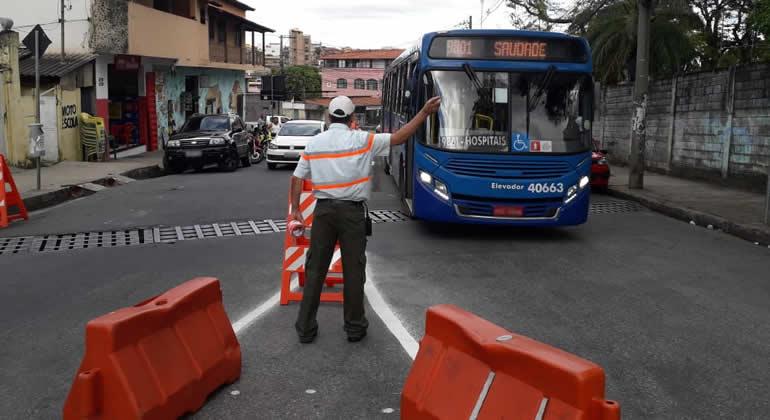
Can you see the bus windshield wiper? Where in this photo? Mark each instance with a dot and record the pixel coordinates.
(472, 75)
(543, 86)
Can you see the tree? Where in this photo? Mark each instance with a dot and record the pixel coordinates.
(612, 35)
(303, 82)
(546, 15)
(760, 18)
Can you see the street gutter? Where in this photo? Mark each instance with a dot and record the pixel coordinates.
(754, 233)
(71, 192)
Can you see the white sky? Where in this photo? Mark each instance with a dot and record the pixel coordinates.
(372, 23)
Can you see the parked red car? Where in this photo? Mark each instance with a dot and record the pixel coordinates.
(600, 170)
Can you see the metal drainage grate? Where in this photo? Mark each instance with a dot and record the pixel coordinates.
(385, 216)
(169, 234)
(84, 240)
(161, 234)
(15, 245)
(614, 206)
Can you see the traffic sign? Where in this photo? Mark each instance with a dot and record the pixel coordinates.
(43, 41)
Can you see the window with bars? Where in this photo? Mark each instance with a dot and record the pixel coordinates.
(372, 84)
(342, 84)
(359, 84)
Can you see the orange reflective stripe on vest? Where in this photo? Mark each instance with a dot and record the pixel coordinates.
(368, 147)
(344, 185)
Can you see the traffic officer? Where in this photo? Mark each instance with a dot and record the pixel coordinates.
(338, 161)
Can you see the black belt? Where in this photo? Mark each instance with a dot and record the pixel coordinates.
(338, 201)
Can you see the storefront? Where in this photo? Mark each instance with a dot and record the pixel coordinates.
(124, 103)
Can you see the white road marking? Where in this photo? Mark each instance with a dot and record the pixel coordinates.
(254, 314)
(387, 316)
(381, 308)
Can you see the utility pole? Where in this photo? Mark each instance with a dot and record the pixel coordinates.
(767, 198)
(641, 84)
(470, 22)
(37, 100)
(280, 53)
(61, 19)
(481, 16)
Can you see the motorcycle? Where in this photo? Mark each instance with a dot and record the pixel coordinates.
(260, 145)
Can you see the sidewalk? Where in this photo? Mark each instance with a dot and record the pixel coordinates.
(733, 211)
(60, 182)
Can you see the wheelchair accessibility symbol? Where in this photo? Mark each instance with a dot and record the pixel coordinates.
(520, 142)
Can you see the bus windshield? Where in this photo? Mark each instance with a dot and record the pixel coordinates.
(496, 112)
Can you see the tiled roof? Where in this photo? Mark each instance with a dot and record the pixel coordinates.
(390, 54)
(52, 66)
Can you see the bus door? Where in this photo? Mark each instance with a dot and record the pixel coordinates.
(413, 105)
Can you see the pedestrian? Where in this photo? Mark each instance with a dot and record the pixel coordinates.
(338, 162)
(275, 126)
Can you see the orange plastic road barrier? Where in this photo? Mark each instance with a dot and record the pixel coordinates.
(10, 198)
(295, 253)
(158, 359)
(469, 368)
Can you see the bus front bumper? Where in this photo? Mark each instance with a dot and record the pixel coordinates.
(492, 211)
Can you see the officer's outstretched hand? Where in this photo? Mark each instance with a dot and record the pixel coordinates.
(431, 107)
(297, 215)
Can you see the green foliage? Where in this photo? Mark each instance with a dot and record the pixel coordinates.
(760, 18)
(303, 82)
(685, 35)
(612, 35)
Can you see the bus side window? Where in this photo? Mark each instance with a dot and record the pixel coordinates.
(400, 90)
(431, 124)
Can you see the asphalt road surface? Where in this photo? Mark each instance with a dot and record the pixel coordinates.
(677, 315)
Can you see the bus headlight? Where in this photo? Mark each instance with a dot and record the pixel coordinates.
(584, 182)
(426, 178)
(174, 143)
(441, 190)
(571, 193)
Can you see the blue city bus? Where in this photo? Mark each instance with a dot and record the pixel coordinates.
(512, 141)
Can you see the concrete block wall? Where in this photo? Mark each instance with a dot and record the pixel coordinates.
(750, 147)
(720, 122)
(658, 123)
(700, 128)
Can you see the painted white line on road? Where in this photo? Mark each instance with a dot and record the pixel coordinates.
(388, 317)
(254, 314)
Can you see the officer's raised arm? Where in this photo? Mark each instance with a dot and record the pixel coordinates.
(403, 134)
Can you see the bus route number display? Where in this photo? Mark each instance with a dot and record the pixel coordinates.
(498, 48)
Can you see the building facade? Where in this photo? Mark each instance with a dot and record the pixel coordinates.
(155, 62)
(355, 73)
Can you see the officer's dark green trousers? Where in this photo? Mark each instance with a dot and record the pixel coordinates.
(343, 221)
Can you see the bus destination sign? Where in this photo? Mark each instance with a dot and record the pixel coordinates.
(529, 49)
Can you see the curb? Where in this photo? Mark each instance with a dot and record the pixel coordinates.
(53, 198)
(700, 218)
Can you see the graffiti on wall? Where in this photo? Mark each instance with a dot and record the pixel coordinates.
(171, 91)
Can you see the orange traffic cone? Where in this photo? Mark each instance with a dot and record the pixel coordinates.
(10, 198)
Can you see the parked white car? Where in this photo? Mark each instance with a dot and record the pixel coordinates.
(291, 141)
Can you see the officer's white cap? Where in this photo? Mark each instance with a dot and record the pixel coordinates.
(341, 107)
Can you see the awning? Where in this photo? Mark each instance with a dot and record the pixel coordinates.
(52, 66)
(247, 24)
